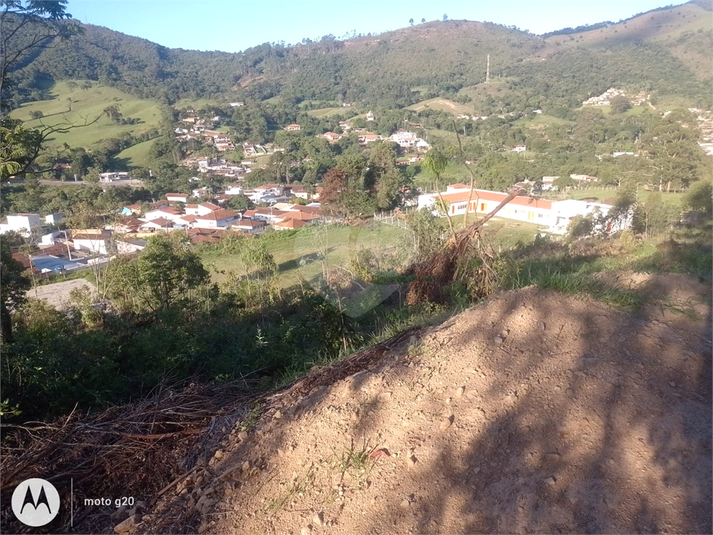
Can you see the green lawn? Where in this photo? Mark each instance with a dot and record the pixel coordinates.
(339, 242)
(500, 232)
(325, 112)
(296, 256)
(442, 104)
(77, 106)
(541, 119)
(136, 155)
(604, 194)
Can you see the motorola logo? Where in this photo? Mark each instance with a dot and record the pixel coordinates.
(35, 502)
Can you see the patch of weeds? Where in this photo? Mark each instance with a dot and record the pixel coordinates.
(357, 459)
(298, 487)
(253, 416)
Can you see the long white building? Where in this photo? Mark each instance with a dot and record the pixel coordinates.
(555, 215)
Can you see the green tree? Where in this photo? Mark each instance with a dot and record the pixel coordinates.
(619, 104)
(435, 162)
(653, 216)
(28, 26)
(674, 153)
(240, 203)
(14, 285)
(428, 232)
(162, 276)
(699, 197)
(19, 149)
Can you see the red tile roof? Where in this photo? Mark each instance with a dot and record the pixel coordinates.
(291, 223)
(483, 195)
(218, 215)
(161, 222)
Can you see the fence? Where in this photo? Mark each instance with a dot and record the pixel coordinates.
(396, 218)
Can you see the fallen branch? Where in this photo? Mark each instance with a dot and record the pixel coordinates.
(437, 271)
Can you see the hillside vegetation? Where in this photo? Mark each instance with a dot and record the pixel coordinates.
(80, 102)
(664, 50)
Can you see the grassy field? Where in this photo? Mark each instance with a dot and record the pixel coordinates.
(326, 112)
(442, 104)
(137, 155)
(502, 233)
(297, 255)
(79, 106)
(339, 242)
(540, 121)
(608, 194)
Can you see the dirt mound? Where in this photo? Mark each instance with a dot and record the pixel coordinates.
(533, 412)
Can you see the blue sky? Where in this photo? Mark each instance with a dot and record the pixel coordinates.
(235, 25)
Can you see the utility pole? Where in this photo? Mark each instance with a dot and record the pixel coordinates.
(487, 71)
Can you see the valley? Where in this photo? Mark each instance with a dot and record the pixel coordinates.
(449, 278)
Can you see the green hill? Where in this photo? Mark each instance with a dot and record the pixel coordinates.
(81, 102)
(686, 31)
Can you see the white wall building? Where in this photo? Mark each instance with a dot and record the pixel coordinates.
(555, 215)
(22, 223)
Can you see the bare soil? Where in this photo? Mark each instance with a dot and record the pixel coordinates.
(57, 294)
(534, 412)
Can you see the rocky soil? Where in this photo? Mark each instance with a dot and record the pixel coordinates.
(534, 412)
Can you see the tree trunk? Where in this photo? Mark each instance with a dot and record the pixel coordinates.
(6, 325)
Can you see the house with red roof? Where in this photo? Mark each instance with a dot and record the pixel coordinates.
(159, 223)
(249, 226)
(292, 127)
(216, 219)
(165, 213)
(289, 224)
(556, 215)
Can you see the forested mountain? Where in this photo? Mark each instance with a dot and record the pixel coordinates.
(397, 68)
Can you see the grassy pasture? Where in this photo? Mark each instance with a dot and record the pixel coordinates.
(82, 104)
(442, 104)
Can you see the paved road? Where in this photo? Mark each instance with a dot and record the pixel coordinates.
(132, 183)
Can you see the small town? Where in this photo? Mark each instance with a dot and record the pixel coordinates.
(315, 269)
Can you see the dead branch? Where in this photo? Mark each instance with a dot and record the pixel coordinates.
(437, 271)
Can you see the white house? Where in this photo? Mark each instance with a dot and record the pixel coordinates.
(96, 243)
(22, 223)
(556, 215)
(233, 189)
(160, 223)
(250, 226)
(177, 197)
(217, 219)
(53, 219)
(162, 213)
(50, 238)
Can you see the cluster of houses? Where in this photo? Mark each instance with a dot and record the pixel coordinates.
(176, 212)
(555, 216)
(705, 124)
(197, 128)
(605, 98)
(204, 222)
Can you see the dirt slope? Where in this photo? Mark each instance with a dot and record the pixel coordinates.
(533, 412)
